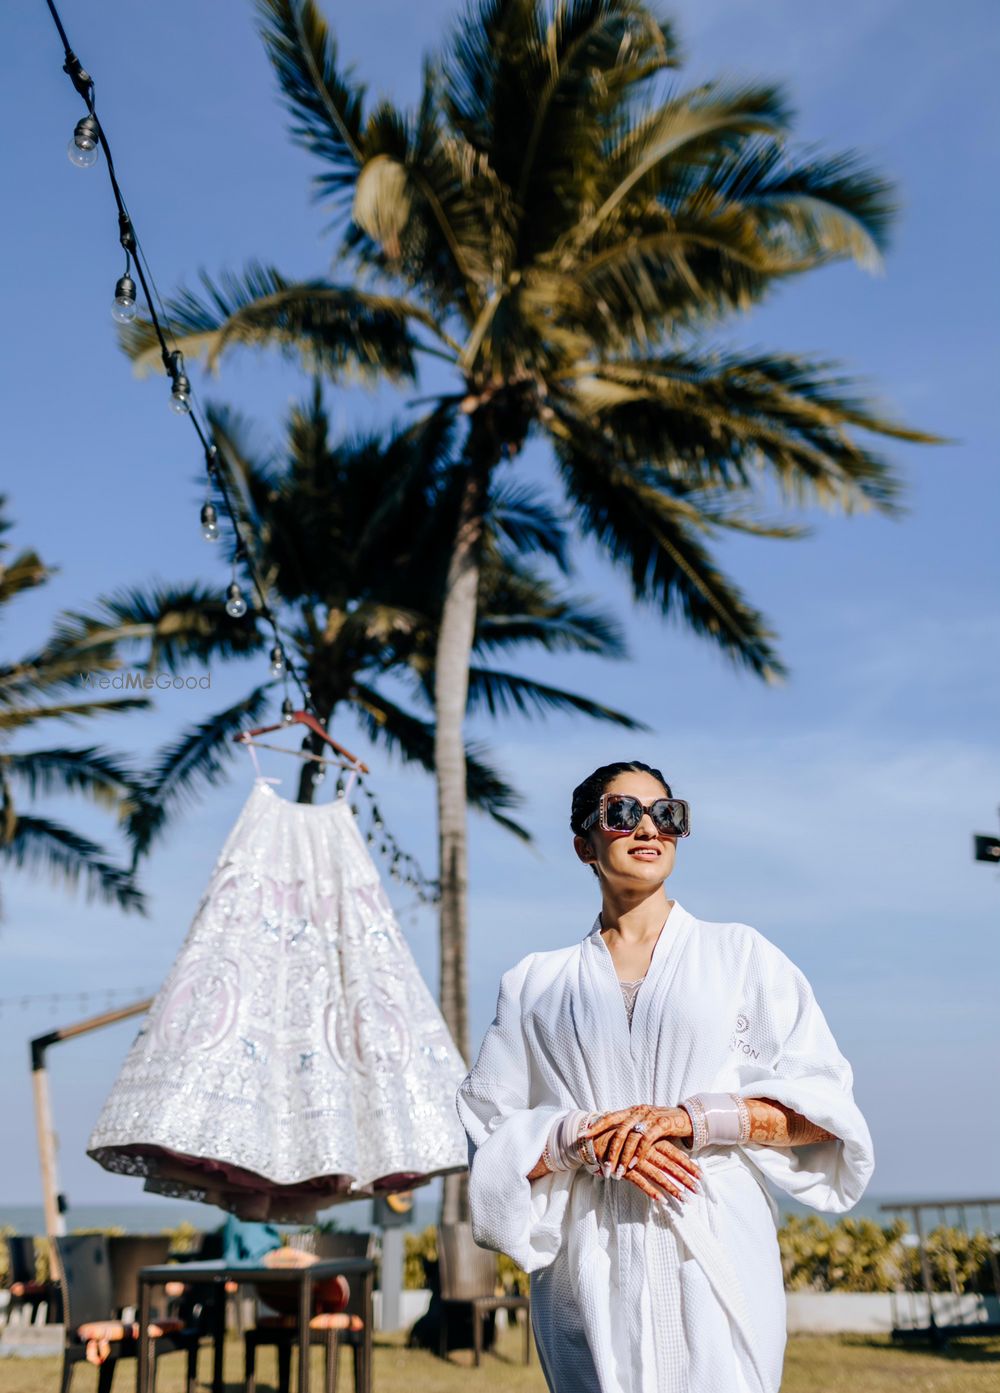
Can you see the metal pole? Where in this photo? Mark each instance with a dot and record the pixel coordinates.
(55, 1224)
(392, 1278)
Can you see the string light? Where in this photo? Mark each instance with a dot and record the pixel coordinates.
(83, 148)
(236, 605)
(88, 138)
(123, 307)
(180, 392)
(209, 522)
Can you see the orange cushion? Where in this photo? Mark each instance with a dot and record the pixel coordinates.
(336, 1320)
(27, 1289)
(330, 1320)
(160, 1327)
(102, 1330)
(100, 1334)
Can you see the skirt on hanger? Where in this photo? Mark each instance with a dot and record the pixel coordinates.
(294, 1057)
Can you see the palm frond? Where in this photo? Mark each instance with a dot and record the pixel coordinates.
(719, 418)
(196, 760)
(324, 327)
(430, 209)
(174, 624)
(25, 572)
(651, 536)
(523, 517)
(688, 127)
(517, 606)
(91, 771)
(40, 845)
(807, 206)
(501, 693)
(387, 724)
(17, 718)
(326, 104)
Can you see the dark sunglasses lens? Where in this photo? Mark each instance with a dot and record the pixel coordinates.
(669, 815)
(622, 813)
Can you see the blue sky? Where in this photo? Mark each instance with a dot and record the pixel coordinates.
(834, 813)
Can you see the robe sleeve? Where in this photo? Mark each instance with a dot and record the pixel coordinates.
(509, 1213)
(808, 1074)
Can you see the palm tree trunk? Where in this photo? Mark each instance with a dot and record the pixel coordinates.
(451, 690)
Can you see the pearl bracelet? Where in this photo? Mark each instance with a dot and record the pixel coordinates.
(718, 1119)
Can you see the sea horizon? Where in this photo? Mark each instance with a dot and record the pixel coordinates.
(156, 1215)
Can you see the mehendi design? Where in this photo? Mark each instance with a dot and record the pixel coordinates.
(772, 1124)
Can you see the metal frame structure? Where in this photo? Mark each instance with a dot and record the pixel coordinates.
(54, 1203)
(915, 1312)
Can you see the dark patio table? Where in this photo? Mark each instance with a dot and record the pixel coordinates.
(218, 1273)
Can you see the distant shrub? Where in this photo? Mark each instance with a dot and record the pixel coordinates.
(861, 1255)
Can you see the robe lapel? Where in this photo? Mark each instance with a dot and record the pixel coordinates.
(622, 1062)
(602, 1026)
(622, 1067)
(650, 1004)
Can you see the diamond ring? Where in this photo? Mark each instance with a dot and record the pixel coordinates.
(638, 1127)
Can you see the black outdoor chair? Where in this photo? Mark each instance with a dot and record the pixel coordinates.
(199, 1304)
(282, 1330)
(91, 1287)
(468, 1277)
(25, 1291)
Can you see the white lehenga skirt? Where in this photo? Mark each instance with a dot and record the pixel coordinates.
(294, 1056)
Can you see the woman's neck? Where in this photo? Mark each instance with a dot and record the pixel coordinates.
(635, 921)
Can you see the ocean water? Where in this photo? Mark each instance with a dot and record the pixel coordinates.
(153, 1216)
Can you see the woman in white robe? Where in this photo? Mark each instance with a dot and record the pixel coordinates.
(659, 1273)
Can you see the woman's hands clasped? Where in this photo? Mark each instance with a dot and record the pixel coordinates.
(648, 1158)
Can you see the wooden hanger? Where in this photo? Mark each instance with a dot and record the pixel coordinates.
(307, 719)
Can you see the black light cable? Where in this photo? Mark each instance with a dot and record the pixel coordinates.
(88, 137)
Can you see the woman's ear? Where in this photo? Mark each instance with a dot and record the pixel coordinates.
(583, 849)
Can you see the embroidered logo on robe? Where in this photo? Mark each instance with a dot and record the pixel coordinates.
(739, 1046)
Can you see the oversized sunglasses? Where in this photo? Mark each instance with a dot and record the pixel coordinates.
(620, 813)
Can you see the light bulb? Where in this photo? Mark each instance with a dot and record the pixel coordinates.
(277, 661)
(209, 522)
(123, 308)
(236, 606)
(287, 710)
(180, 395)
(83, 148)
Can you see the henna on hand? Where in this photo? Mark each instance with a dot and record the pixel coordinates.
(619, 1149)
(539, 1169)
(773, 1124)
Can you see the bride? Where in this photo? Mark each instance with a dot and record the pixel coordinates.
(629, 1100)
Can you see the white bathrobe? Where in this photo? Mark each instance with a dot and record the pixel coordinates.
(625, 1298)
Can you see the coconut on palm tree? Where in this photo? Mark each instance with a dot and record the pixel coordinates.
(569, 232)
(352, 539)
(35, 691)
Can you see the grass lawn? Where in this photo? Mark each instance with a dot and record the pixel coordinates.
(814, 1364)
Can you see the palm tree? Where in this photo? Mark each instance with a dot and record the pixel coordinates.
(352, 538)
(567, 232)
(36, 690)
